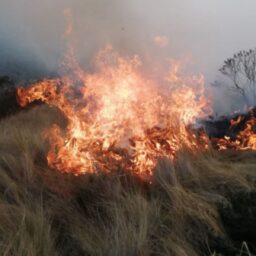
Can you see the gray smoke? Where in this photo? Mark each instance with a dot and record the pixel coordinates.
(31, 32)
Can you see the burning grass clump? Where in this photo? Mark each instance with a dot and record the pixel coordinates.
(197, 205)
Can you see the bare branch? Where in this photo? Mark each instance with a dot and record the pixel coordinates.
(241, 70)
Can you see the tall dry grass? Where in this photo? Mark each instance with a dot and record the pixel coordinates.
(44, 212)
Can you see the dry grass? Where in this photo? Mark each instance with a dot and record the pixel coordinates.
(44, 212)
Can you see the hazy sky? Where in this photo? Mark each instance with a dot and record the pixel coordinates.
(207, 30)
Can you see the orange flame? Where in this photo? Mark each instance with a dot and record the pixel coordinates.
(245, 140)
(119, 118)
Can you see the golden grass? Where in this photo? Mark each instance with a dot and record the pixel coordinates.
(44, 212)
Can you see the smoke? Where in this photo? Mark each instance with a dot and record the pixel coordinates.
(32, 41)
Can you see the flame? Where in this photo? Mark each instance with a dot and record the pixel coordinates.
(117, 117)
(245, 139)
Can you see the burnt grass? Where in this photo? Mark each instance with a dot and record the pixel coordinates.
(237, 213)
(220, 126)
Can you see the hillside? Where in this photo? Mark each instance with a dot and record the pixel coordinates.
(198, 205)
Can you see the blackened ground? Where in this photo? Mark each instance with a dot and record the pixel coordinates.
(220, 127)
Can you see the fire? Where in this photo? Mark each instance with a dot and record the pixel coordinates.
(245, 139)
(120, 117)
(117, 117)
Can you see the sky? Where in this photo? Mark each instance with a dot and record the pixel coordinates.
(208, 31)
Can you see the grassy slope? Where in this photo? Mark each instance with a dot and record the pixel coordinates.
(44, 212)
